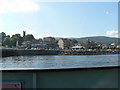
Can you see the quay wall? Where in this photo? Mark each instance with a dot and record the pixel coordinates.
(97, 52)
(22, 52)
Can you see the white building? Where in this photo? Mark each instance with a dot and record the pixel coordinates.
(77, 47)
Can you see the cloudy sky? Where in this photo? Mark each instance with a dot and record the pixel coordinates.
(59, 19)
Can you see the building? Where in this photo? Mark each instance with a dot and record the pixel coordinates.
(77, 47)
(40, 45)
(24, 34)
(64, 44)
(48, 43)
(49, 39)
(51, 42)
(89, 44)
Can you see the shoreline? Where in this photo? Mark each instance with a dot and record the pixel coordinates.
(22, 52)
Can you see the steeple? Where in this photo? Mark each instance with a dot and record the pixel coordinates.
(24, 34)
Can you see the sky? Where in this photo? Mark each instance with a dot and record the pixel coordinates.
(59, 19)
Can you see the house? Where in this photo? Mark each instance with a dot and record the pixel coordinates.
(89, 44)
(64, 44)
(51, 43)
(49, 39)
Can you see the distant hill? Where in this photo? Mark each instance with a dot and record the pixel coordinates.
(99, 39)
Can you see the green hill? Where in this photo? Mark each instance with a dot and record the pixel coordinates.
(99, 39)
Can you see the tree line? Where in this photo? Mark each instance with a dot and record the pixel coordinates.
(11, 41)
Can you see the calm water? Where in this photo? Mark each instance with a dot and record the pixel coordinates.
(59, 61)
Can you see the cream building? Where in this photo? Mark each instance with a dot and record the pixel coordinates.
(64, 44)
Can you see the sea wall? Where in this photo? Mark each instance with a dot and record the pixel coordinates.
(22, 52)
(97, 52)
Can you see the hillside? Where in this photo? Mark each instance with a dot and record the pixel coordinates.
(100, 39)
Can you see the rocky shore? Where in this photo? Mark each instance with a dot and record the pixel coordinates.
(22, 52)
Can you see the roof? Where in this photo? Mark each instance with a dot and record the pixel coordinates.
(77, 46)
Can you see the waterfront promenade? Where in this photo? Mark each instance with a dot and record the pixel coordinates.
(22, 52)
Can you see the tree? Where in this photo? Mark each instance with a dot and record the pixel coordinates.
(7, 41)
(29, 37)
(74, 41)
(16, 35)
(15, 38)
(3, 35)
